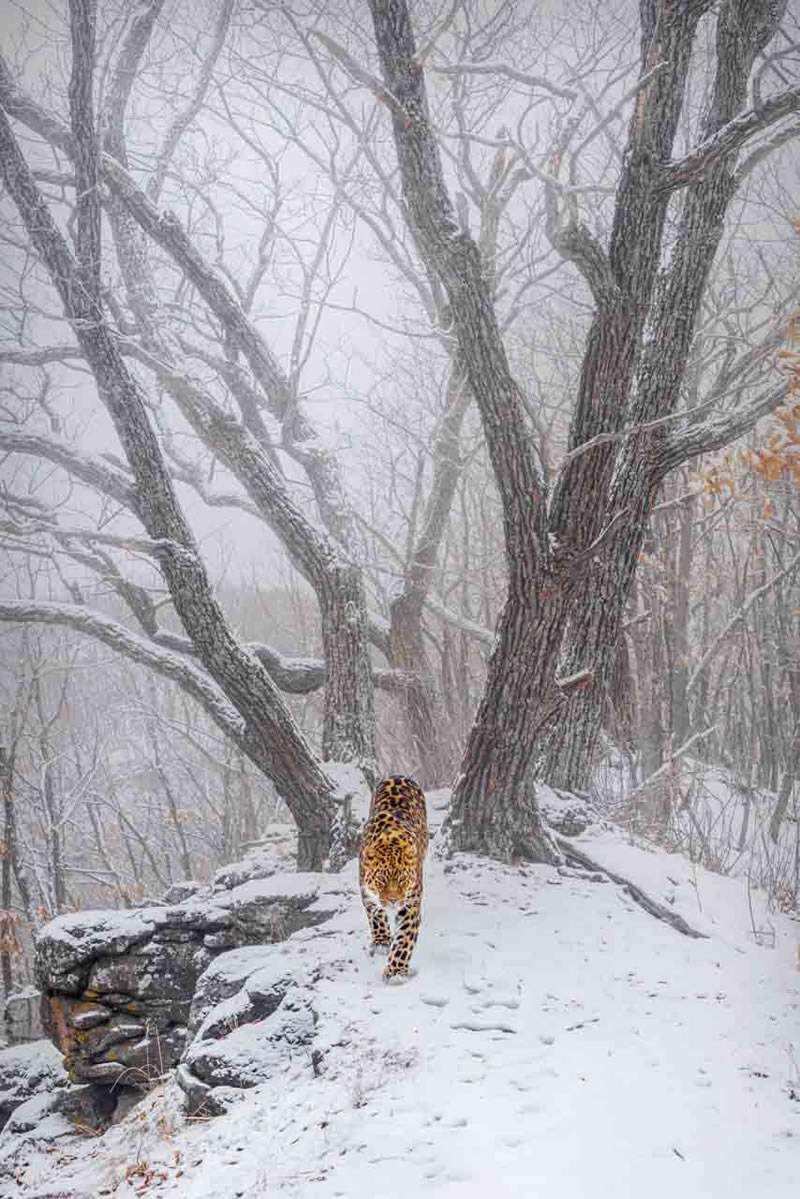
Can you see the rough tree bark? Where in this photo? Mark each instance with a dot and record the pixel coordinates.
(667, 308)
(494, 808)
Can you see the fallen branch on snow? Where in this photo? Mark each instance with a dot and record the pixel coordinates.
(576, 856)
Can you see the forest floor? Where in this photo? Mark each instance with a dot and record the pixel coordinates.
(556, 1040)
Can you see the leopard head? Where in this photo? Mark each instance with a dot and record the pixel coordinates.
(391, 871)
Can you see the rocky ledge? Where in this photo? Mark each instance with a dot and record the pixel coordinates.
(118, 986)
(196, 984)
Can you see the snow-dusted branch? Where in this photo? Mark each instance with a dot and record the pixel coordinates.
(245, 458)
(716, 432)
(504, 71)
(357, 72)
(99, 473)
(574, 241)
(42, 357)
(666, 767)
(729, 139)
(454, 259)
(83, 16)
(116, 636)
(781, 138)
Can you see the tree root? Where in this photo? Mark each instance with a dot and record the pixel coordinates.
(576, 857)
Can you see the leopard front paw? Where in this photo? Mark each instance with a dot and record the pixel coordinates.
(395, 977)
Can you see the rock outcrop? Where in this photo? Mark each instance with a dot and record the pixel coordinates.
(127, 995)
(251, 1012)
(27, 1071)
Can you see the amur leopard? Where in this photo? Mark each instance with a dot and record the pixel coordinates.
(393, 846)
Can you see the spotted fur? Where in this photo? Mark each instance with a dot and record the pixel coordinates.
(393, 846)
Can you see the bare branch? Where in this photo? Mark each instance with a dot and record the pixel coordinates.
(357, 72)
(122, 80)
(184, 118)
(577, 244)
(81, 108)
(455, 260)
(89, 468)
(729, 139)
(41, 357)
(526, 78)
(721, 431)
(162, 661)
(781, 138)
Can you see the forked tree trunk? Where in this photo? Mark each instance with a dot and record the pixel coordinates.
(498, 752)
(744, 27)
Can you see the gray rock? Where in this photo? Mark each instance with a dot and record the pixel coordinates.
(224, 978)
(28, 1070)
(88, 1107)
(250, 1016)
(564, 812)
(89, 1015)
(180, 891)
(126, 991)
(252, 1053)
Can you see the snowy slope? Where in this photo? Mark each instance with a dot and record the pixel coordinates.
(555, 1041)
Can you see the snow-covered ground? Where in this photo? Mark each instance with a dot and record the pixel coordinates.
(556, 1041)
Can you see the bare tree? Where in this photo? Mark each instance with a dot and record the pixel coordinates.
(237, 689)
(505, 186)
(572, 548)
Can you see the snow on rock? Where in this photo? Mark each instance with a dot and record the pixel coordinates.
(273, 854)
(277, 1024)
(119, 986)
(231, 982)
(39, 1107)
(27, 1070)
(65, 945)
(564, 812)
(22, 1017)
(251, 1012)
(556, 1040)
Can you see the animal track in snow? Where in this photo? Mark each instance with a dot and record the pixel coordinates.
(478, 1025)
(435, 1000)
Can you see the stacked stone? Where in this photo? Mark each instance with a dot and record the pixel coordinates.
(118, 986)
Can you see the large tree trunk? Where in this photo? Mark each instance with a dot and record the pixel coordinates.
(549, 553)
(520, 674)
(494, 808)
(743, 29)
